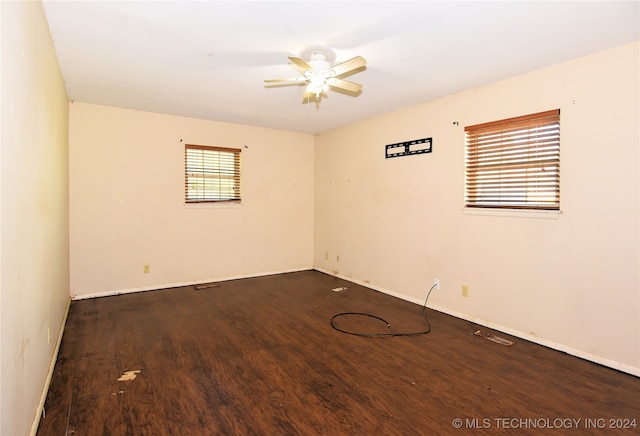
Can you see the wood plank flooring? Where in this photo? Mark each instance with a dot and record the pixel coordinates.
(259, 357)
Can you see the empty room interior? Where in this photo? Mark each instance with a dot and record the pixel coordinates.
(319, 217)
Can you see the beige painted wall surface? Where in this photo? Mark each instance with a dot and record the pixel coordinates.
(571, 281)
(34, 248)
(127, 202)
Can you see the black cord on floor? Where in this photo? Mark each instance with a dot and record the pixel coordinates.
(384, 335)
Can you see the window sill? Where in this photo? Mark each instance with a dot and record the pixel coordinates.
(513, 213)
(217, 205)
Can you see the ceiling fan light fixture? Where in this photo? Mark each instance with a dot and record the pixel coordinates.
(320, 75)
(317, 85)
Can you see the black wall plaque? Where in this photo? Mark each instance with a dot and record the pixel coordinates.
(417, 146)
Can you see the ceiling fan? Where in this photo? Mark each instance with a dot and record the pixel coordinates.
(319, 75)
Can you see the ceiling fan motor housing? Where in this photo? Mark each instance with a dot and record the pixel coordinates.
(319, 61)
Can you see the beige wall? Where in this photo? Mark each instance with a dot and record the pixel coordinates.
(127, 203)
(34, 248)
(569, 281)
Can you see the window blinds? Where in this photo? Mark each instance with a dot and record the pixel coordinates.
(514, 163)
(212, 174)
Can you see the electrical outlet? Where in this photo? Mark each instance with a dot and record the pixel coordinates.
(337, 258)
(146, 269)
(326, 255)
(436, 283)
(465, 290)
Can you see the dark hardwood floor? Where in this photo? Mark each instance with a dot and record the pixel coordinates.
(259, 357)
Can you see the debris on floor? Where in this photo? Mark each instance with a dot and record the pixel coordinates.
(343, 288)
(129, 375)
(207, 286)
(494, 338)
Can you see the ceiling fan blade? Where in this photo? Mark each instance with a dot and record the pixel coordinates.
(300, 62)
(350, 65)
(287, 80)
(344, 84)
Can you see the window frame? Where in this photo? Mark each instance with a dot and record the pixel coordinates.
(514, 164)
(214, 170)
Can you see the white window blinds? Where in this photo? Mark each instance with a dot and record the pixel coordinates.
(212, 174)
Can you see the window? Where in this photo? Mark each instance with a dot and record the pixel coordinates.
(212, 174)
(514, 163)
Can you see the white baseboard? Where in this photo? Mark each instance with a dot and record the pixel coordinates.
(507, 330)
(52, 365)
(181, 284)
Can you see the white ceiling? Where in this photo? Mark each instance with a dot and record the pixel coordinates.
(209, 59)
